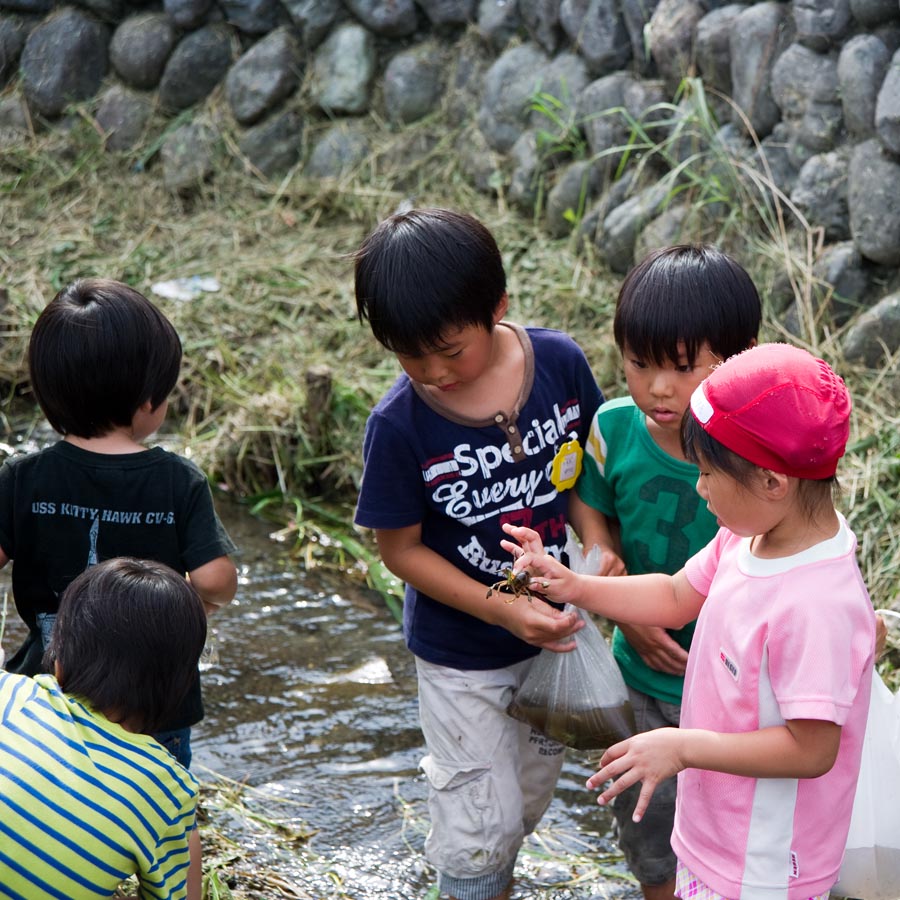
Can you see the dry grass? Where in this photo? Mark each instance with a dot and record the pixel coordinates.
(280, 252)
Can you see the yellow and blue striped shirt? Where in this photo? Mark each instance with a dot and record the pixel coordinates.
(84, 803)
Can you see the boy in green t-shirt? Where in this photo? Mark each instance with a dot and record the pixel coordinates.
(680, 312)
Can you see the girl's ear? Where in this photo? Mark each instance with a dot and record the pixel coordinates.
(775, 484)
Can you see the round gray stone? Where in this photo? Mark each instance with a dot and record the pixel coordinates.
(140, 47)
(873, 188)
(264, 76)
(862, 65)
(197, 64)
(64, 60)
(343, 70)
(413, 84)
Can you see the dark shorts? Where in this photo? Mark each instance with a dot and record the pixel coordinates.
(646, 845)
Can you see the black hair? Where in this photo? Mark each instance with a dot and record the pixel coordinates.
(421, 273)
(698, 445)
(689, 292)
(127, 639)
(98, 352)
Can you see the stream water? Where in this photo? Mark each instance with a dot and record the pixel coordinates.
(311, 706)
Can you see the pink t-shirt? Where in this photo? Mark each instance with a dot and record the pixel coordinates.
(776, 639)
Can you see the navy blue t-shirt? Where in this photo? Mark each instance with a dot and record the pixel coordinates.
(463, 479)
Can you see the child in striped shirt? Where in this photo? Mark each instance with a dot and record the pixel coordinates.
(87, 796)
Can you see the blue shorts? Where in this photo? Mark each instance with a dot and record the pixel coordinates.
(178, 742)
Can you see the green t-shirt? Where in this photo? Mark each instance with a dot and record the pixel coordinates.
(663, 520)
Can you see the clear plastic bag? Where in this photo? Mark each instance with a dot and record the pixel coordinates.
(871, 865)
(577, 698)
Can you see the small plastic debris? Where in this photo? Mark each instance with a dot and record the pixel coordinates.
(186, 288)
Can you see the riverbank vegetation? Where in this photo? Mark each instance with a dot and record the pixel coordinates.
(279, 375)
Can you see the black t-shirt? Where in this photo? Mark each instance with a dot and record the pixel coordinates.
(64, 509)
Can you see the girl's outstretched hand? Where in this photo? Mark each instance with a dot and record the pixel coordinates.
(548, 575)
(649, 757)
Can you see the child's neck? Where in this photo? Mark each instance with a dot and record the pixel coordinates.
(797, 531)
(119, 441)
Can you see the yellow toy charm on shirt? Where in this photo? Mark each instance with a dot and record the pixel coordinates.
(566, 465)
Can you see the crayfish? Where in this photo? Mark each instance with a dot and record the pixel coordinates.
(514, 583)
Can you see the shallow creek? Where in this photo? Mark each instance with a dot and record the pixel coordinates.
(312, 705)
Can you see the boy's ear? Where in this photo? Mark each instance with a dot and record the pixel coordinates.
(502, 308)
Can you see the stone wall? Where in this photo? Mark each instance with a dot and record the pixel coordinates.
(631, 121)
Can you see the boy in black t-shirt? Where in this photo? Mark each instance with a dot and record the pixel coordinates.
(103, 360)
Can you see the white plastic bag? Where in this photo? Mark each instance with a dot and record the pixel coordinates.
(577, 698)
(871, 866)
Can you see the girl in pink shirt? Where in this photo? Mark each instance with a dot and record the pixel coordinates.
(778, 677)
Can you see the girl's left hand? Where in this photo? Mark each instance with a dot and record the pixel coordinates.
(649, 757)
(549, 576)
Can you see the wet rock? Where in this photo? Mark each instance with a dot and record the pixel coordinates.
(596, 29)
(821, 23)
(761, 32)
(187, 156)
(413, 84)
(449, 12)
(887, 107)
(672, 31)
(64, 60)
(821, 194)
(875, 334)
(862, 65)
(873, 188)
(342, 148)
(187, 14)
(273, 146)
(197, 64)
(140, 47)
(395, 19)
(253, 16)
(313, 19)
(541, 18)
(509, 85)
(343, 70)
(123, 115)
(264, 76)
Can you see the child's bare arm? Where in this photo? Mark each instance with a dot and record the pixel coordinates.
(801, 748)
(534, 622)
(215, 582)
(669, 601)
(4, 559)
(594, 528)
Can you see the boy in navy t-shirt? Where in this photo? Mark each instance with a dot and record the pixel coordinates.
(485, 427)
